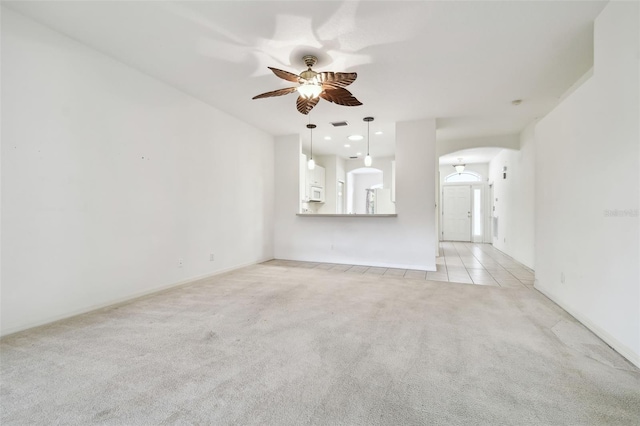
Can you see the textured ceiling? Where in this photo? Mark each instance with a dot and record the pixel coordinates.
(460, 62)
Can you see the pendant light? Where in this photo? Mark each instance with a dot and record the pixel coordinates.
(311, 164)
(367, 159)
(459, 167)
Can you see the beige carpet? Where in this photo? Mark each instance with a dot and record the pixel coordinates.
(290, 346)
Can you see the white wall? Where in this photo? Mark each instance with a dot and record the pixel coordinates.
(587, 163)
(330, 163)
(515, 195)
(405, 241)
(109, 177)
(341, 175)
(449, 146)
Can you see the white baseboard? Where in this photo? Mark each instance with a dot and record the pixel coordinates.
(619, 347)
(125, 299)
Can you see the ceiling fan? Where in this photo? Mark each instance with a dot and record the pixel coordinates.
(315, 85)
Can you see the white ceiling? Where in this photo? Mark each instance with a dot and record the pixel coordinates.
(460, 62)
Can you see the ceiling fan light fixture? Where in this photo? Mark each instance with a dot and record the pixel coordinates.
(311, 86)
(309, 90)
(459, 167)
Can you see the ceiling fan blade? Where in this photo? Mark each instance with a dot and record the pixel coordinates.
(339, 96)
(337, 79)
(305, 105)
(278, 92)
(285, 75)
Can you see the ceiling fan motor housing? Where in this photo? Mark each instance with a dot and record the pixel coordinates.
(308, 75)
(309, 60)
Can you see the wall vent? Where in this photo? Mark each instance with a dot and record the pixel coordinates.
(339, 123)
(353, 158)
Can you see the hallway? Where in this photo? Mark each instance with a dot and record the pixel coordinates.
(468, 263)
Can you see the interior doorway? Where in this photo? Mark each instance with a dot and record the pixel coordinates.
(359, 181)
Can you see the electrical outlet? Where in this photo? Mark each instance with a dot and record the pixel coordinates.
(180, 262)
(212, 257)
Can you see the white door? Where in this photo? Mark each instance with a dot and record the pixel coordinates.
(456, 213)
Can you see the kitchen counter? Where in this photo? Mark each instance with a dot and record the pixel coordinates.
(346, 215)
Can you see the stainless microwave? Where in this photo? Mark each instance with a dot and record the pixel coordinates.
(316, 194)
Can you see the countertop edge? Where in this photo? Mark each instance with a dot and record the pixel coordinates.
(345, 215)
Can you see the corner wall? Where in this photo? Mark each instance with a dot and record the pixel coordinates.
(109, 177)
(515, 195)
(587, 193)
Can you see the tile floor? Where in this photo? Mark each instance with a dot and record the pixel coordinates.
(469, 263)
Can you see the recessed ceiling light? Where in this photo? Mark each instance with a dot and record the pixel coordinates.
(379, 132)
(346, 145)
(327, 138)
(356, 137)
(358, 153)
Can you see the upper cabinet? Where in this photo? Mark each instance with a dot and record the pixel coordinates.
(316, 177)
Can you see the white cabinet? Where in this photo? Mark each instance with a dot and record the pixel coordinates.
(314, 182)
(316, 176)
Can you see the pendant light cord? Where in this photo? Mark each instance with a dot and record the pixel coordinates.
(311, 127)
(311, 135)
(367, 159)
(368, 123)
